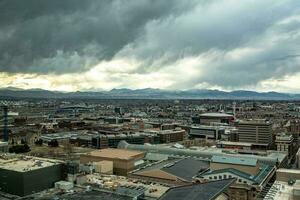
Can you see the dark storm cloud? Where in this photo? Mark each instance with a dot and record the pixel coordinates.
(241, 42)
(215, 31)
(70, 35)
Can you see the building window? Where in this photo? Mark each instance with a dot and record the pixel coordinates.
(225, 176)
(210, 177)
(220, 177)
(240, 180)
(215, 177)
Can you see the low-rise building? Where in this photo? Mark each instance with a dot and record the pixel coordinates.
(24, 175)
(287, 175)
(205, 191)
(284, 190)
(124, 161)
(209, 132)
(208, 118)
(169, 136)
(172, 171)
(251, 177)
(284, 143)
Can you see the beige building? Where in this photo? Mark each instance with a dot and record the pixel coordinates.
(104, 167)
(284, 143)
(124, 161)
(255, 131)
(286, 175)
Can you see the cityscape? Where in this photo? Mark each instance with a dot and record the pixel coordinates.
(149, 100)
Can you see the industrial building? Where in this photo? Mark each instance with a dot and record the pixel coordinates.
(23, 175)
(124, 161)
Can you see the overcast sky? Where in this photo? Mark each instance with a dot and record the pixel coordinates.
(169, 44)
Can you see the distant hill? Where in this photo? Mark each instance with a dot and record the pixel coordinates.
(147, 93)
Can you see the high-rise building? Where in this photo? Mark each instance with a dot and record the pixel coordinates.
(255, 131)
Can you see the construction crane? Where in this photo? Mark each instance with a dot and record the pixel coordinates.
(5, 123)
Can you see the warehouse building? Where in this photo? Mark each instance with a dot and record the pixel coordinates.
(24, 175)
(124, 161)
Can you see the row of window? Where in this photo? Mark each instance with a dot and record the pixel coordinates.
(225, 177)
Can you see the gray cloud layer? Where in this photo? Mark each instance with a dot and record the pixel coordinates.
(55, 36)
(70, 35)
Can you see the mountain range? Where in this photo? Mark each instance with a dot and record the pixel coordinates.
(147, 93)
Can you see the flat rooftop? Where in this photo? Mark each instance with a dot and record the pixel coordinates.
(215, 115)
(279, 191)
(234, 160)
(115, 153)
(236, 143)
(25, 163)
(292, 171)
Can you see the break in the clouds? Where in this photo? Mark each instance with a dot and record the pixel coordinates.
(91, 44)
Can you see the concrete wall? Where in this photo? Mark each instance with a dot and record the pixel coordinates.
(11, 182)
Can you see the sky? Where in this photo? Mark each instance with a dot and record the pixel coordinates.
(94, 45)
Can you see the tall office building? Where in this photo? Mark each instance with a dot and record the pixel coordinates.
(258, 132)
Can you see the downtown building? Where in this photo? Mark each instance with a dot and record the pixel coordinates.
(257, 132)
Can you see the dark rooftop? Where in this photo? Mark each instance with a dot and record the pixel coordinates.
(187, 168)
(204, 191)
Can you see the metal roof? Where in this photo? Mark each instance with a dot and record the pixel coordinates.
(265, 170)
(187, 168)
(234, 160)
(204, 191)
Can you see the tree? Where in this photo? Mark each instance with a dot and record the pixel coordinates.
(39, 142)
(53, 143)
(21, 148)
